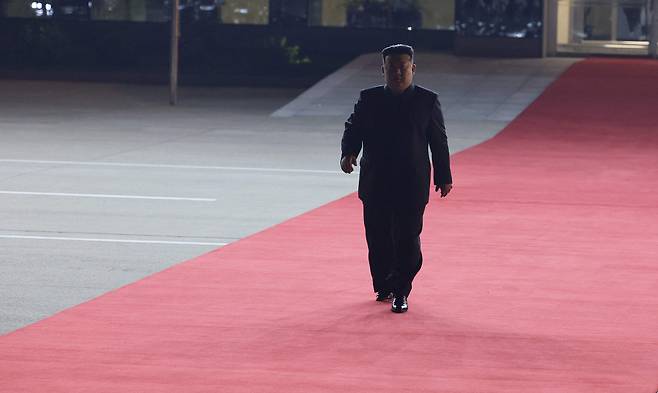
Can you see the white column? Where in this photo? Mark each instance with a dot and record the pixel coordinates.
(653, 35)
(550, 28)
(614, 20)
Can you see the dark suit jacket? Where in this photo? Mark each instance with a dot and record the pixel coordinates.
(395, 132)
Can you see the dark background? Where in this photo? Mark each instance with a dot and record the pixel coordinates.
(286, 52)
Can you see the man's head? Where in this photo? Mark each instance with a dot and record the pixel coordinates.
(398, 67)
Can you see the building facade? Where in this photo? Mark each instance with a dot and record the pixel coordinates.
(476, 27)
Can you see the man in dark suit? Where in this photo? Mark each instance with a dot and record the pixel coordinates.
(394, 124)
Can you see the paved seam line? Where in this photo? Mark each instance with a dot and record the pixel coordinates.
(43, 232)
(136, 241)
(138, 165)
(108, 196)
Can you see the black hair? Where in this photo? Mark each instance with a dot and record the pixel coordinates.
(398, 49)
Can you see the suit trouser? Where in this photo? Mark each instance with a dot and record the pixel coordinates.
(393, 236)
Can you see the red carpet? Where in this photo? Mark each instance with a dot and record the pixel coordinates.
(540, 275)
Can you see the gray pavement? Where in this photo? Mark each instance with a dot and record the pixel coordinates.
(104, 184)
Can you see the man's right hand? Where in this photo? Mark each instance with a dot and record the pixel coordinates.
(347, 163)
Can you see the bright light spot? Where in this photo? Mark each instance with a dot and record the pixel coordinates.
(39, 6)
(242, 11)
(49, 7)
(516, 34)
(409, 28)
(34, 5)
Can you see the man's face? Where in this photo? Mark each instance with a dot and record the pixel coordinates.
(398, 72)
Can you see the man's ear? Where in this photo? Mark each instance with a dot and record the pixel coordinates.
(413, 68)
(382, 69)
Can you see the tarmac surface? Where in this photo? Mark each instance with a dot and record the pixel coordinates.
(104, 184)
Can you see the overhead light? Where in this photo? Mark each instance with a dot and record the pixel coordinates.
(625, 46)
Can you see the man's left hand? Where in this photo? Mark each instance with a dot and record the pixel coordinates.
(445, 189)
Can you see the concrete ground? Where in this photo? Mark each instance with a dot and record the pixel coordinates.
(104, 184)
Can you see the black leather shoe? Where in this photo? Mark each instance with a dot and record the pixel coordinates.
(399, 304)
(384, 296)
